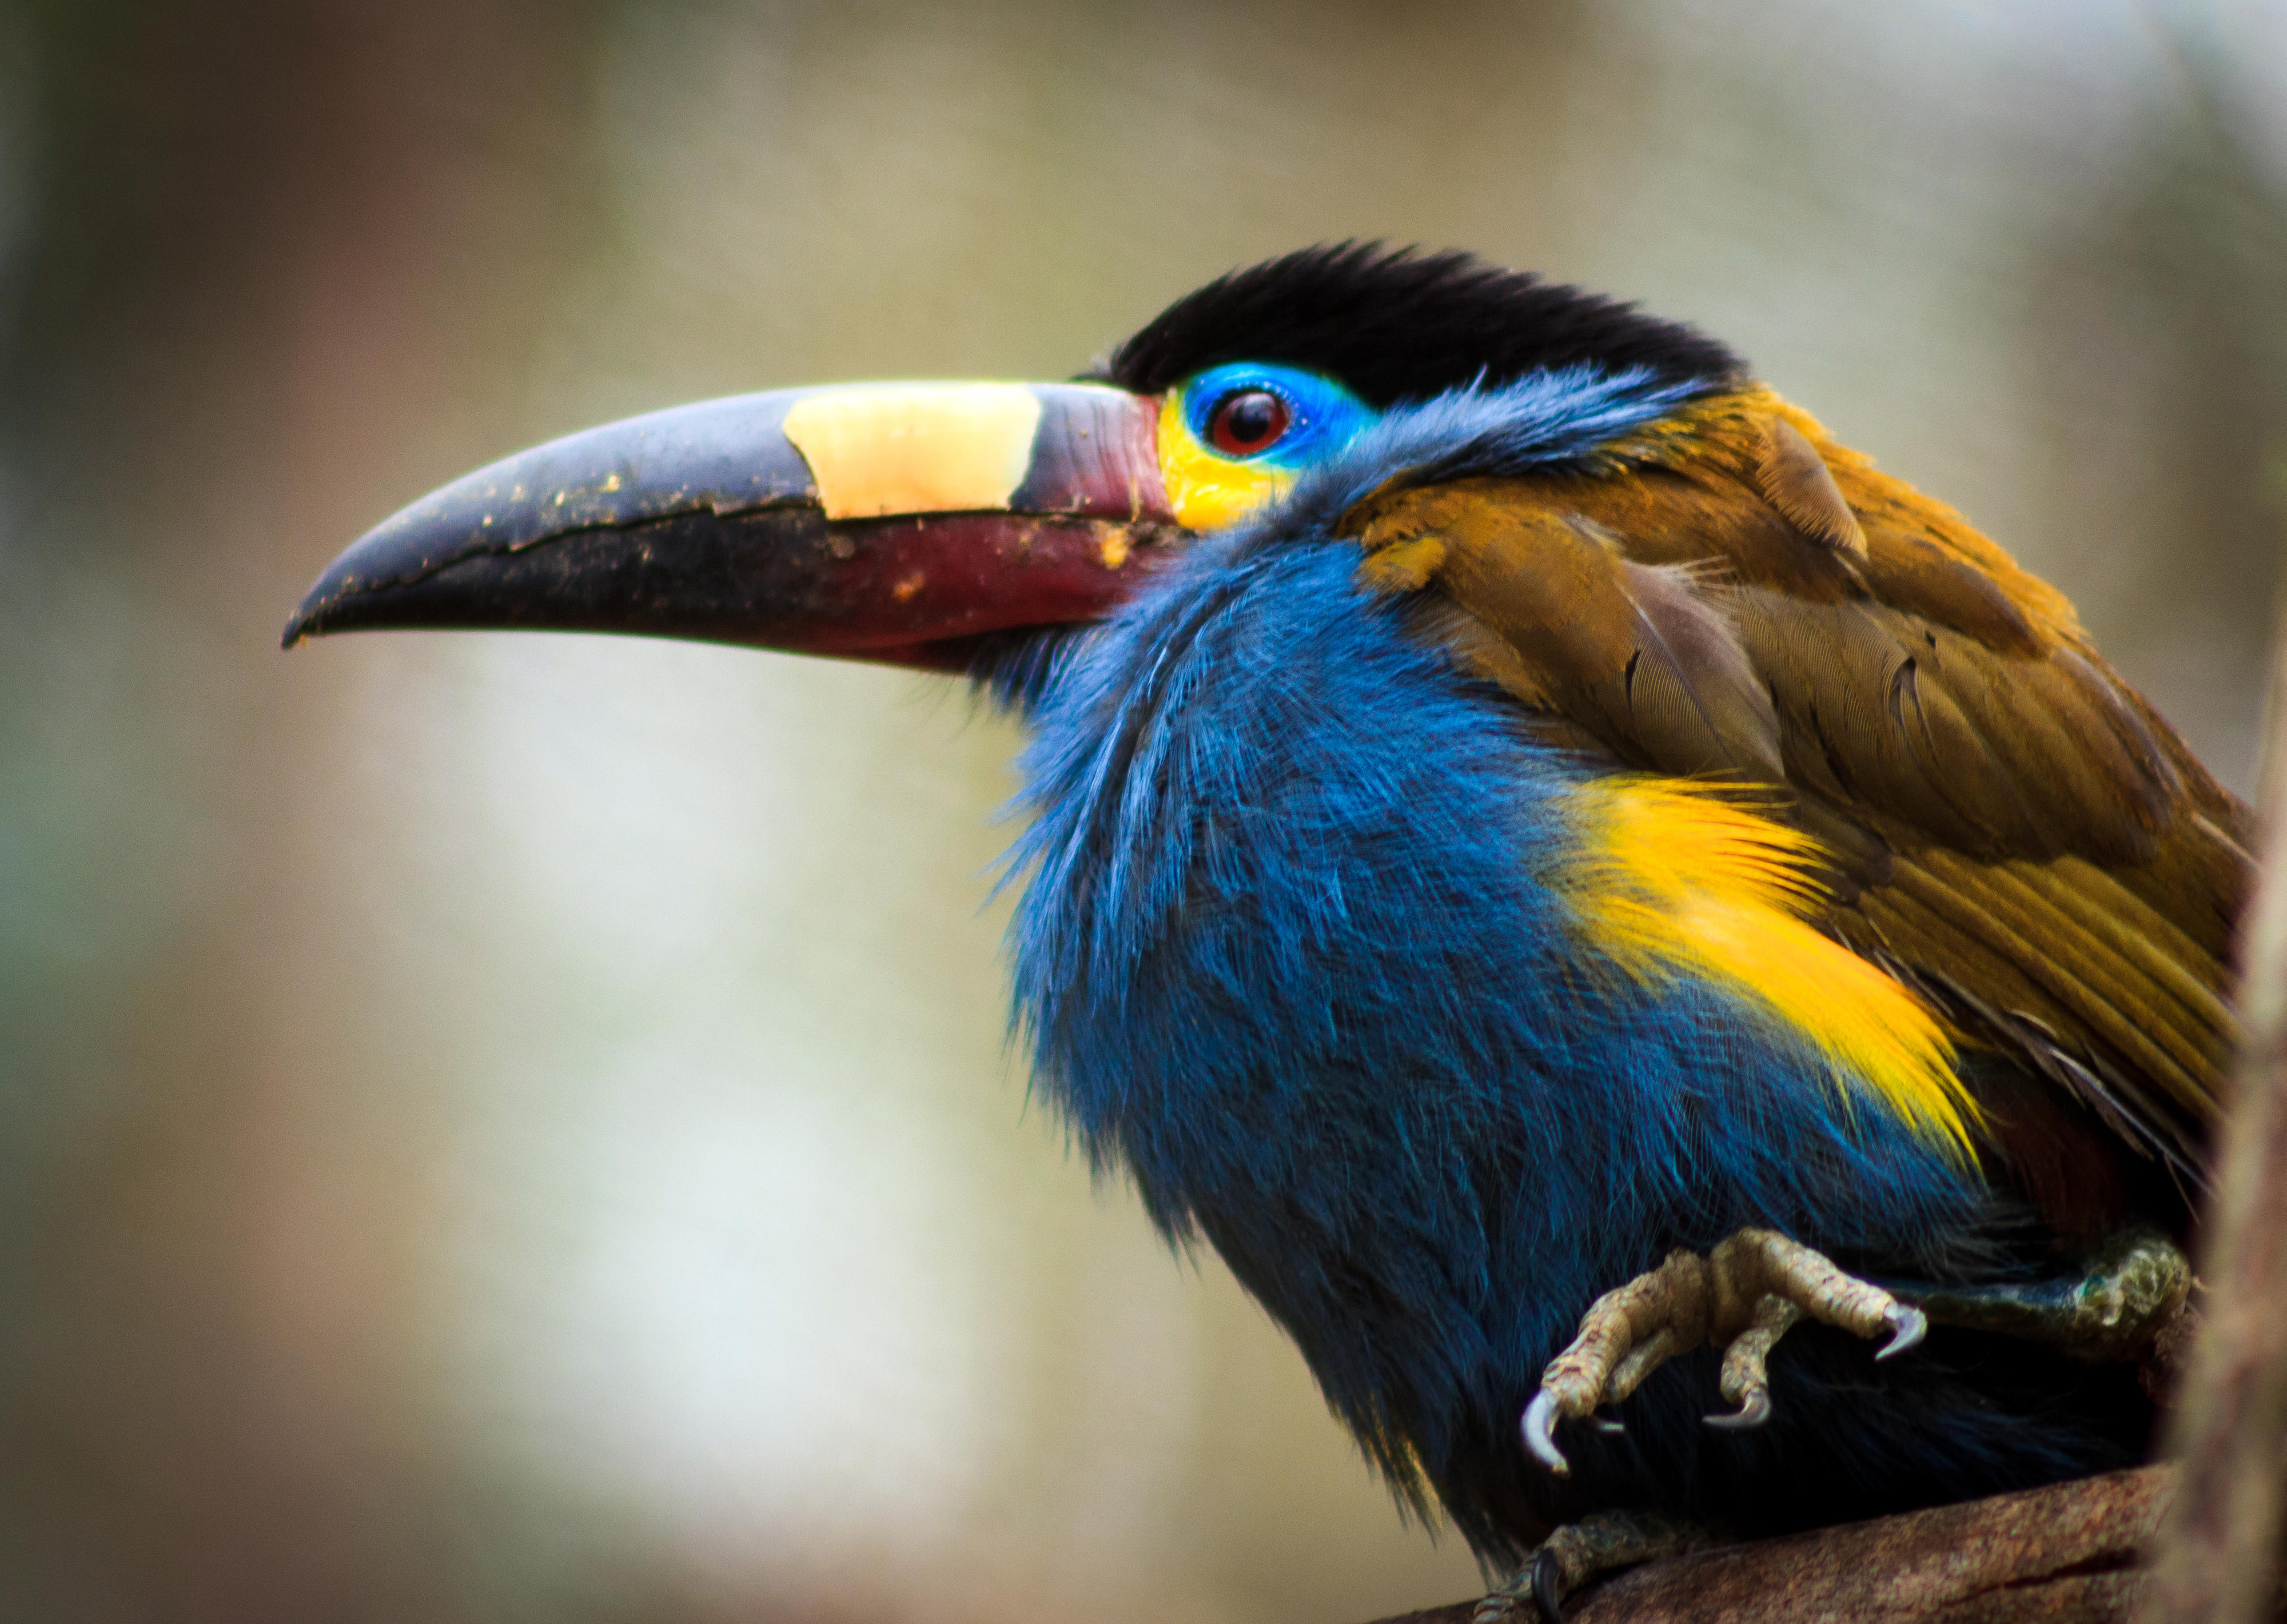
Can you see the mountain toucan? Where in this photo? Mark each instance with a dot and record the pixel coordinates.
(1595, 900)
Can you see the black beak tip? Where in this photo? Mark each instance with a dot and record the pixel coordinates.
(319, 612)
(358, 589)
(307, 621)
(716, 455)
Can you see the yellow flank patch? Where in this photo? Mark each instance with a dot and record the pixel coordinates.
(877, 449)
(1675, 879)
(1205, 491)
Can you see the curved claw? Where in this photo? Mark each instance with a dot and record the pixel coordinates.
(1754, 1413)
(1548, 1586)
(1540, 1429)
(1908, 1325)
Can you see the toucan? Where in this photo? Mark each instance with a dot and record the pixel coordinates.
(1601, 905)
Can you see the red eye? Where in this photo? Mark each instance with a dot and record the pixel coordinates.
(1248, 421)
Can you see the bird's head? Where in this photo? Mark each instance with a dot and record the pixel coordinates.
(939, 524)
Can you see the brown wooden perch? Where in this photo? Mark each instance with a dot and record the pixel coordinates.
(2066, 1554)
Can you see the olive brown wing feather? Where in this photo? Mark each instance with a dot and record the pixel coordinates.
(2012, 828)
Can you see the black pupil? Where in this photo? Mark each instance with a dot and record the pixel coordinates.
(1251, 419)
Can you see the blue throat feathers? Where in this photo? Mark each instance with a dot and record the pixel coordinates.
(1292, 951)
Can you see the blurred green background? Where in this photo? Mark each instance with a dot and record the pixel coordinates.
(499, 1128)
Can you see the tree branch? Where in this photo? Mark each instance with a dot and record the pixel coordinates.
(2213, 1561)
(2066, 1554)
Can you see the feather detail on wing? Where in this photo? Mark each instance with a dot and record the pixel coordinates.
(1675, 879)
(2010, 829)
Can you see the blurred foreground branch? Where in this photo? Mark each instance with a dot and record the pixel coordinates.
(2214, 1559)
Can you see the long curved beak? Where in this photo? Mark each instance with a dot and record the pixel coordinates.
(892, 522)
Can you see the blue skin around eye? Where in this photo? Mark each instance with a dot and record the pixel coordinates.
(1326, 416)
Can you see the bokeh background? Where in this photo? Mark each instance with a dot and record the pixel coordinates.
(517, 1128)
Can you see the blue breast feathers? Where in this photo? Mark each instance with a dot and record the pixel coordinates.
(1282, 953)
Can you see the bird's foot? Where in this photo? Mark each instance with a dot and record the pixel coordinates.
(2131, 1304)
(1743, 1296)
(1601, 1543)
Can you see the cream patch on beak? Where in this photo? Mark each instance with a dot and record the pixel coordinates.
(877, 449)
